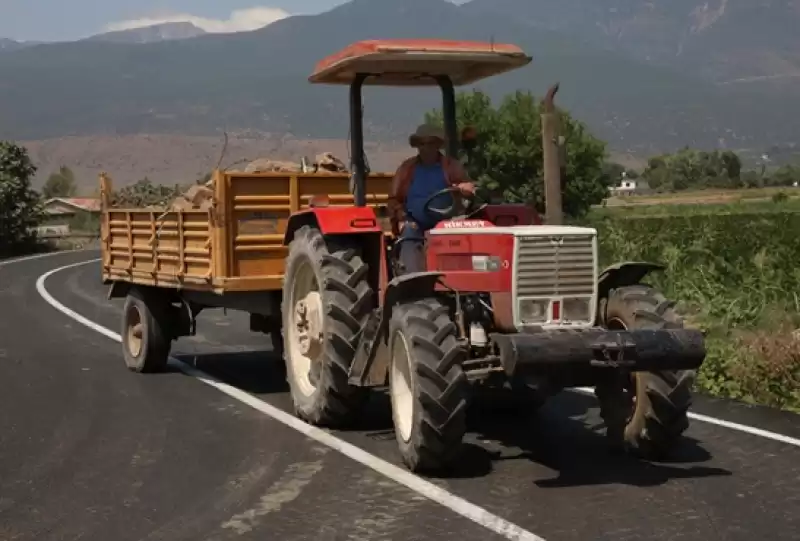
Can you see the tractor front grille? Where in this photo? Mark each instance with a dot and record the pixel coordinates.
(555, 266)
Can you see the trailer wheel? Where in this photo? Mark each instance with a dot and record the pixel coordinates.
(645, 412)
(146, 340)
(428, 388)
(326, 300)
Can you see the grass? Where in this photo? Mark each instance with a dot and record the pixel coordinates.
(734, 272)
(744, 206)
(703, 197)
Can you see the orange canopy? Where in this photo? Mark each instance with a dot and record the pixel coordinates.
(412, 62)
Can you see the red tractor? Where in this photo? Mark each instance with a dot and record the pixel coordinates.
(504, 302)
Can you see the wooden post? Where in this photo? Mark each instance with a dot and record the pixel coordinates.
(551, 155)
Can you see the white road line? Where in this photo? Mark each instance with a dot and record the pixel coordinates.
(404, 477)
(753, 431)
(22, 259)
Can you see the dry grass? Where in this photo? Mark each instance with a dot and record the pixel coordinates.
(171, 159)
(769, 367)
(701, 197)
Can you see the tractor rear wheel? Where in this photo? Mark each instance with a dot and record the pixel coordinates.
(428, 388)
(645, 412)
(326, 300)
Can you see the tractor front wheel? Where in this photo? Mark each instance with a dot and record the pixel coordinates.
(645, 412)
(428, 388)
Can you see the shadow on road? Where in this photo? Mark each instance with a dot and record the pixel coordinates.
(565, 435)
(255, 371)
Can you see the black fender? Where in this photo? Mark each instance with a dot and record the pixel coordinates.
(119, 290)
(626, 273)
(296, 221)
(369, 368)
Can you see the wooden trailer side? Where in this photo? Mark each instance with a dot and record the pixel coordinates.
(157, 248)
(236, 245)
(258, 207)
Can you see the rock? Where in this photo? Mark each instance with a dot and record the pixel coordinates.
(328, 162)
(265, 165)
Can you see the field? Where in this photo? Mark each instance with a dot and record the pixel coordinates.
(733, 268)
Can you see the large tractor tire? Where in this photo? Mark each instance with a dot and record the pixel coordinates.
(645, 412)
(326, 300)
(146, 334)
(428, 388)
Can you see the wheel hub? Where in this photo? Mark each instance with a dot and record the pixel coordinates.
(400, 388)
(308, 324)
(135, 332)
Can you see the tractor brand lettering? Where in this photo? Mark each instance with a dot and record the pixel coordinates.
(465, 223)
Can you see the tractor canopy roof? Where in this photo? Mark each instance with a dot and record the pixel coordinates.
(415, 62)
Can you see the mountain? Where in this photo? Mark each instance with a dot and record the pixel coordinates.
(258, 80)
(151, 34)
(731, 41)
(8, 45)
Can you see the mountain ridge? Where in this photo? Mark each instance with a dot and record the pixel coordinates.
(258, 80)
(151, 34)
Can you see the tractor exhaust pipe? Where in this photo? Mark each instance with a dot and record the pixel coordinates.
(552, 154)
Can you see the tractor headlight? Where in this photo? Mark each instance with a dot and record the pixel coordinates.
(534, 310)
(485, 263)
(577, 309)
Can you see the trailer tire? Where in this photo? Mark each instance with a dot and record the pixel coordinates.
(428, 388)
(337, 310)
(645, 413)
(146, 339)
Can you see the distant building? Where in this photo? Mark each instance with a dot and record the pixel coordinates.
(65, 214)
(626, 186)
(629, 186)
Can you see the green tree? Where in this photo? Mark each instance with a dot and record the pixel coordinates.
(693, 169)
(60, 184)
(508, 155)
(20, 208)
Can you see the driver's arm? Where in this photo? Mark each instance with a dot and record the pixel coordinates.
(397, 195)
(457, 176)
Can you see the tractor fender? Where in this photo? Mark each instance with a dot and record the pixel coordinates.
(369, 367)
(624, 274)
(334, 221)
(414, 285)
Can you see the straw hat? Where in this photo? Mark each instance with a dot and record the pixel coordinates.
(426, 131)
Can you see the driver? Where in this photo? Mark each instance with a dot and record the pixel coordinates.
(415, 181)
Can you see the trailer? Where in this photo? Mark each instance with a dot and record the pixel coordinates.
(171, 265)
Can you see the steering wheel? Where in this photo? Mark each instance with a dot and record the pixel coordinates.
(459, 207)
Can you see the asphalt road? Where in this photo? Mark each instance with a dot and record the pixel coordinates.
(91, 451)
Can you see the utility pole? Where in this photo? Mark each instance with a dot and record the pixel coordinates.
(552, 155)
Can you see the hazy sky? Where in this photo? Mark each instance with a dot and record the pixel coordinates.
(55, 20)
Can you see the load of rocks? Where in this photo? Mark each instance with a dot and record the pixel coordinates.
(199, 196)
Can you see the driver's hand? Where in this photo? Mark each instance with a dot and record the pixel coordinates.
(467, 188)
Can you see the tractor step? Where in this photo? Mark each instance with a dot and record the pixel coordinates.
(544, 352)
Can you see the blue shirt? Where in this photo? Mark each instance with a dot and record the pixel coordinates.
(427, 180)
